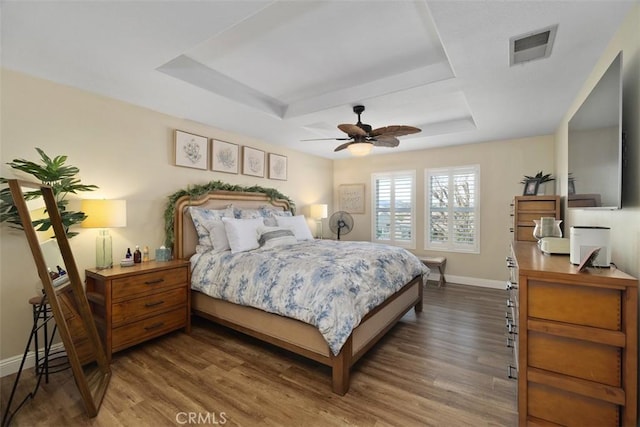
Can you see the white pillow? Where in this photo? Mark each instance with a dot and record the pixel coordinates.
(242, 233)
(271, 237)
(298, 224)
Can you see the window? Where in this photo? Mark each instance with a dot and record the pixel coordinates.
(393, 208)
(452, 212)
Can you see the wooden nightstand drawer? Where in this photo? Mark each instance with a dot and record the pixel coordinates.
(148, 283)
(580, 305)
(143, 330)
(145, 306)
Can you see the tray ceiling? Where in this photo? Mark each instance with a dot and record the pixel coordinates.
(283, 71)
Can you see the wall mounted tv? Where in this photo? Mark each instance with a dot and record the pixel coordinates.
(595, 145)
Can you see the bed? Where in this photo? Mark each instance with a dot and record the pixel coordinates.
(287, 332)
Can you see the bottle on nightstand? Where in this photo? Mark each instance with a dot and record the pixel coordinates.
(137, 255)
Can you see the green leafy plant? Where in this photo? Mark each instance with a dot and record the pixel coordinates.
(53, 172)
(539, 176)
(199, 190)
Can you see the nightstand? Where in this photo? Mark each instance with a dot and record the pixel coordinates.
(134, 304)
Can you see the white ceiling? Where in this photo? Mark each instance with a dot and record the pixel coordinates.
(284, 71)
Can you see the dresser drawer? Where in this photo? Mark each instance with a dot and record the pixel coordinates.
(145, 329)
(148, 305)
(148, 283)
(570, 409)
(590, 361)
(580, 305)
(548, 205)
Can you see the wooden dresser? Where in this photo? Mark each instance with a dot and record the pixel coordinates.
(528, 208)
(133, 304)
(577, 341)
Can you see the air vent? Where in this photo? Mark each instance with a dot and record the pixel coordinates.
(531, 46)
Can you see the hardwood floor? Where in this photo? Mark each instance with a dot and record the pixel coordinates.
(443, 367)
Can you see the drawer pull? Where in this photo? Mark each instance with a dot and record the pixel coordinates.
(511, 328)
(510, 370)
(154, 282)
(511, 285)
(509, 303)
(154, 326)
(153, 304)
(509, 342)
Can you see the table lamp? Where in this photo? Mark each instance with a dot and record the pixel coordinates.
(104, 214)
(319, 212)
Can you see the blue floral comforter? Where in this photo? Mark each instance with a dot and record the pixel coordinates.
(329, 284)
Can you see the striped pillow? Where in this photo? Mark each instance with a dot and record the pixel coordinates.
(271, 237)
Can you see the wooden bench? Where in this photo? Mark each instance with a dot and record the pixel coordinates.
(438, 262)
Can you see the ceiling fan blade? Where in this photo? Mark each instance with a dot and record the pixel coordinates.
(342, 146)
(385, 141)
(326, 139)
(395, 131)
(352, 130)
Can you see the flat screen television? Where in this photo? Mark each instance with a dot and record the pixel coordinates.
(595, 145)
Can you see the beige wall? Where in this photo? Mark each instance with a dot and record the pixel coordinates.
(128, 152)
(502, 166)
(624, 223)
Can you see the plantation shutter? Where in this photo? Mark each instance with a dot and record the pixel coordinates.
(394, 208)
(452, 212)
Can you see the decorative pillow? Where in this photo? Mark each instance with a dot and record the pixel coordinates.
(269, 214)
(240, 213)
(218, 235)
(203, 220)
(271, 237)
(242, 233)
(297, 224)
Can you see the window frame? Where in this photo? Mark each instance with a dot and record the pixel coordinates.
(451, 245)
(407, 244)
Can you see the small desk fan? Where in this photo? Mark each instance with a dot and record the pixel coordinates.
(341, 222)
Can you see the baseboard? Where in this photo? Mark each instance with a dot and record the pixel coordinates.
(471, 281)
(12, 364)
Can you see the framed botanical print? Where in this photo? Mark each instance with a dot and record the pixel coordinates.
(191, 150)
(252, 162)
(351, 198)
(277, 167)
(225, 156)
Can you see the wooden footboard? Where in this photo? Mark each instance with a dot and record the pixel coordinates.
(372, 328)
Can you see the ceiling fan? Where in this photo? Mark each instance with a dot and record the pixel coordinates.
(362, 138)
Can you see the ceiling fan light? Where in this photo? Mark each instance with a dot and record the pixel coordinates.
(360, 149)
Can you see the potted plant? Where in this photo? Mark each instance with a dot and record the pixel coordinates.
(53, 172)
(541, 178)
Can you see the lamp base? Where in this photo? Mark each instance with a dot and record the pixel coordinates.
(319, 229)
(104, 252)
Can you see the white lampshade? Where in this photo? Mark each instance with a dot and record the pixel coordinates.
(104, 213)
(360, 148)
(318, 211)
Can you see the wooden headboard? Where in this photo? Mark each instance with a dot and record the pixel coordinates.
(186, 238)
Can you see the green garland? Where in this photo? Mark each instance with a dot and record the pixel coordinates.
(199, 190)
